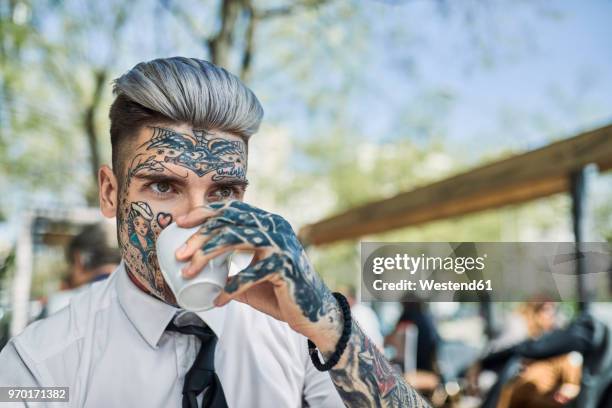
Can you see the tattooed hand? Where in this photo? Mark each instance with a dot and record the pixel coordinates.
(280, 280)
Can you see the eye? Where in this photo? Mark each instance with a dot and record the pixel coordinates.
(225, 193)
(161, 187)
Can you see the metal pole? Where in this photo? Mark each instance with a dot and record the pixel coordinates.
(578, 194)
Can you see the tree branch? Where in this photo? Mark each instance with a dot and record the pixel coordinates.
(289, 9)
(247, 54)
(89, 124)
(189, 23)
(221, 43)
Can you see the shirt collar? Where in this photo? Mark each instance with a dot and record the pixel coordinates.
(150, 316)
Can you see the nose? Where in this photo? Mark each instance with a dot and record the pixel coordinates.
(197, 198)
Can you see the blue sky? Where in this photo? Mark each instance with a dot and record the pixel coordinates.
(546, 72)
(572, 59)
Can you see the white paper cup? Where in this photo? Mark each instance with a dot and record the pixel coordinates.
(198, 293)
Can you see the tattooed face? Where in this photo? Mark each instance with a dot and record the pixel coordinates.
(141, 226)
(171, 170)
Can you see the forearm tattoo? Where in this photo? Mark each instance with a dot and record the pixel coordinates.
(364, 377)
(167, 152)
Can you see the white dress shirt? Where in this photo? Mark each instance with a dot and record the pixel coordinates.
(110, 347)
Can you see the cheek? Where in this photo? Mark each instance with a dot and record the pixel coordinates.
(167, 212)
(164, 219)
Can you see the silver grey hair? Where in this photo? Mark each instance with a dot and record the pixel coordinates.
(193, 91)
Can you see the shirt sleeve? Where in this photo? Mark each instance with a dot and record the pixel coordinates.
(319, 390)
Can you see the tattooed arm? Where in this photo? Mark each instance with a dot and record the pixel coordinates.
(281, 282)
(364, 378)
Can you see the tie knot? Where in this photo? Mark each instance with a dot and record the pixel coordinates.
(204, 333)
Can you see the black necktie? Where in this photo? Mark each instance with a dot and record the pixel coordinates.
(202, 374)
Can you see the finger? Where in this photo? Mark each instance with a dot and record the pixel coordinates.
(195, 217)
(213, 246)
(242, 206)
(194, 244)
(211, 228)
(218, 221)
(230, 235)
(201, 259)
(238, 284)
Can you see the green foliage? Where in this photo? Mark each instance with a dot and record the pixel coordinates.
(310, 57)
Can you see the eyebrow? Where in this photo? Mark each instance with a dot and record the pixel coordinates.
(181, 180)
(160, 177)
(232, 182)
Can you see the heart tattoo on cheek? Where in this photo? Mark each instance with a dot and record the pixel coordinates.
(164, 219)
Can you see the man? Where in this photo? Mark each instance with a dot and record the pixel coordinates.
(91, 259)
(179, 132)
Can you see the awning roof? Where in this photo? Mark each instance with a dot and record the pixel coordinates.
(514, 180)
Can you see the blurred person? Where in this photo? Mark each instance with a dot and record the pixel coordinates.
(415, 314)
(545, 371)
(364, 315)
(179, 134)
(90, 259)
(529, 320)
(548, 383)
(423, 374)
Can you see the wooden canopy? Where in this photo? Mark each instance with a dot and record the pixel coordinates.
(517, 179)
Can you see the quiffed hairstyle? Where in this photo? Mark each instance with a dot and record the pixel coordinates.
(183, 90)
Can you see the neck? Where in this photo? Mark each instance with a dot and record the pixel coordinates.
(136, 282)
(143, 288)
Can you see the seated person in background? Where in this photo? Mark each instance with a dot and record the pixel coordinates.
(415, 313)
(552, 382)
(425, 377)
(552, 379)
(90, 259)
(528, 321)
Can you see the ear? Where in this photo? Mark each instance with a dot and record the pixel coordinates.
(109, 191)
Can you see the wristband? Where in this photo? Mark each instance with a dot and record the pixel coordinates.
(341, 346)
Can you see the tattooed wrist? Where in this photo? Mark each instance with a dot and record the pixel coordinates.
(364, 378)
(330, 329)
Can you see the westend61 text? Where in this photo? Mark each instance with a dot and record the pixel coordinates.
(432, 285)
